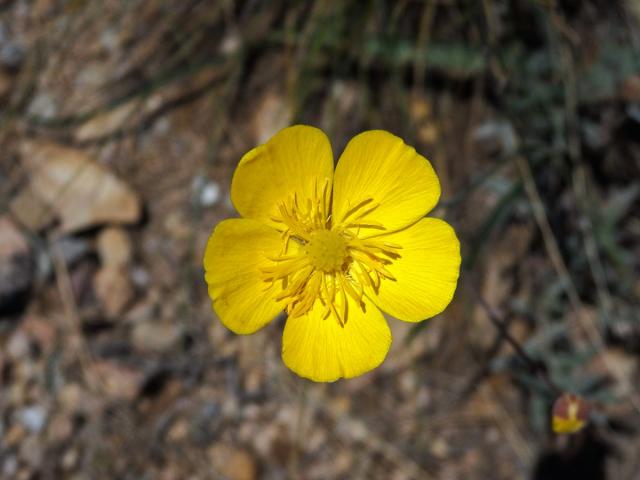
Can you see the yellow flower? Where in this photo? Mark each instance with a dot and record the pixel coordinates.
(332, 249)
(570, 414)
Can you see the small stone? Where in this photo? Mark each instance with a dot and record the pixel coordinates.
(205, 193)
(254, 381)
(230, 43)
(31, 451)
(439, 448)
(140, 277)
(114, 289)
(31, 211)
(264, 440)
(60, 428)
(14, 435)
(343, 463)
(43, 105)
(110, 40)
(32, 418)
(177, 226)
(114, 247)
(178, 431)
(150, 336)
(117, 381)
(71, 397)
(18, 345)
(70, 459)
(210, 194)
(232, 463)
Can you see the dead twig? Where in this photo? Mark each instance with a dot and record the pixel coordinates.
(73, 323)
(498, 321)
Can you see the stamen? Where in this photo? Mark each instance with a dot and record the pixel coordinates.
(367, 212)
(329, 300)
(356, 208)
(349, 288)
(325, 201)
(345, 306)
(369, 224)
(329, 263)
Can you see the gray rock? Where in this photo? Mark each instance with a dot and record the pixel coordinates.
(32, 418)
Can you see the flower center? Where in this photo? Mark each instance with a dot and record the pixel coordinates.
(323, 258)
(327, 250)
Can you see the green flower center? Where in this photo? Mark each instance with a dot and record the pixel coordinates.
(327, 250)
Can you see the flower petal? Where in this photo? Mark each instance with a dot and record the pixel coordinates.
(426, 274)
(321, 350)
(297, 160)
(379, 166)
(235, 252)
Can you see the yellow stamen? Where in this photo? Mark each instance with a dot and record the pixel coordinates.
(327, 263)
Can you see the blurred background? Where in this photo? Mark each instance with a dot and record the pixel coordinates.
(121, 123)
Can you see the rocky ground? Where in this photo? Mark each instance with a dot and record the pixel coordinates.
(120, 125)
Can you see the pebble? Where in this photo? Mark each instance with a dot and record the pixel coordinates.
(18, 345)
(233, 464)
(114, 289)
(60, 428)
(140, 277)
(210, 194)
(152, 336)
(43, 105)
(30, 210)
(14, 435)
(32, 418)
(117, 381)
(206, 193)
(114, 247)
(31, 451)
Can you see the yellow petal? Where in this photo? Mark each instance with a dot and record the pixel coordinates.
(570, 413)
(567, 425)
(426, 274)
(235, 252)
(323, 351)
(379, 167)
(296, 161)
